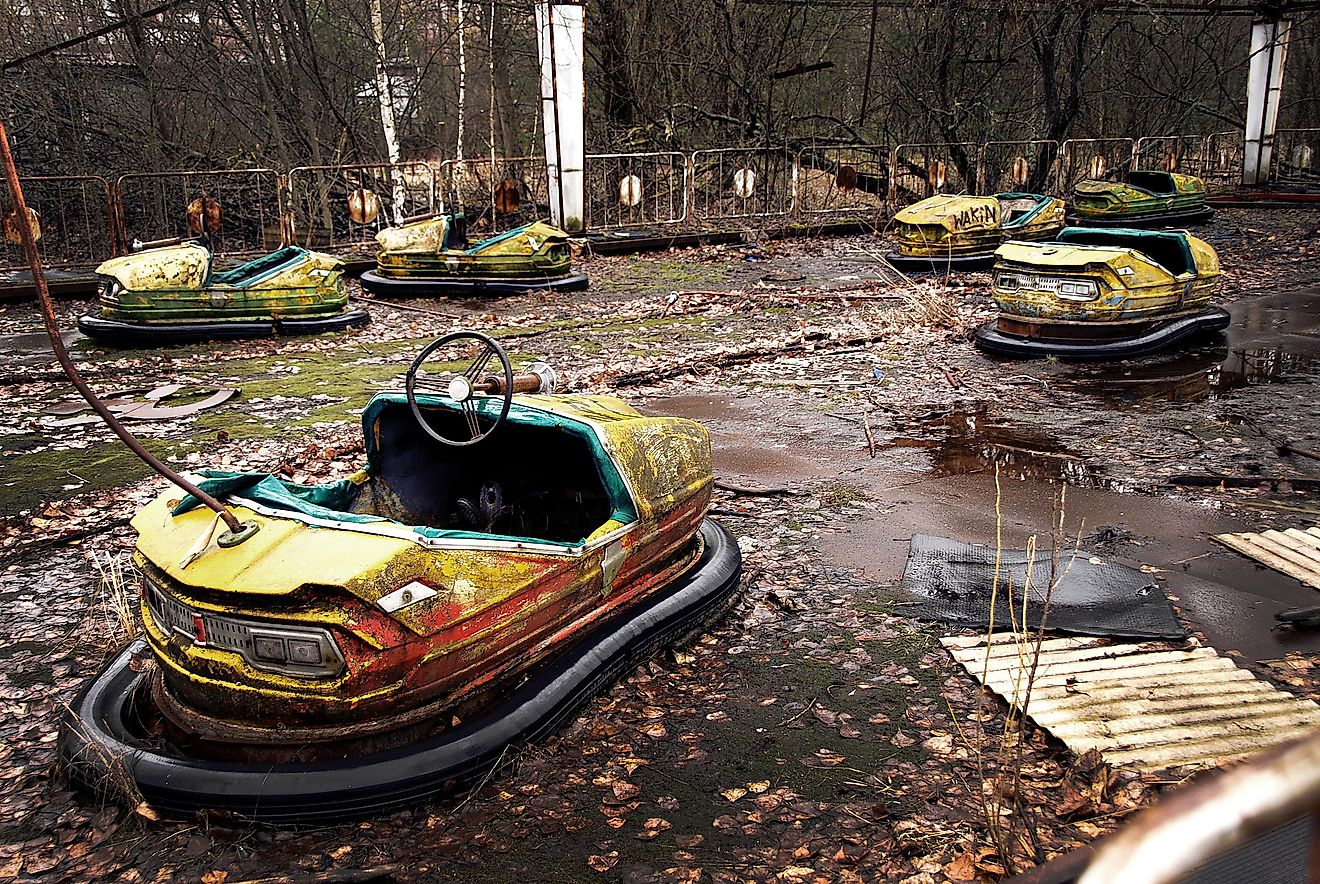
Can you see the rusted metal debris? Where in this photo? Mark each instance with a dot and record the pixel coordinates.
(1294, 552)
(1148, 706)
(1167, 841)
(139, 404)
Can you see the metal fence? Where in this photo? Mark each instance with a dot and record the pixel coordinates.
(1081, 158)
(239, 208)
(335, 207)
(1017, 166)
(842, 179)
(922, 170)
(636, 189)
(1221, 160)
(496, 193)
(75, 217)
(1171, 153)
(740, 182)
(1296, 157)
(85, 220)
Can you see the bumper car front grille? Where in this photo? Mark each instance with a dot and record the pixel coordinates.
(289, 649)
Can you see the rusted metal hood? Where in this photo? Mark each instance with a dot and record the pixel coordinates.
(953, 212)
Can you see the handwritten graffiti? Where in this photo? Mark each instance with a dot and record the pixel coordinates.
(976, 216)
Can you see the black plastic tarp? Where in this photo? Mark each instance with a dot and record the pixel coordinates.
(952, 582)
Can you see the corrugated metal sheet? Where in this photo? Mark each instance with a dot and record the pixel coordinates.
(1149, 706)
(1294, 552)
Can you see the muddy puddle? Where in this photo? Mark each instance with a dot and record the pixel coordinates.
(32, 348)
(974, 440)
(741, 446)
(1272, 340)
(761, 441)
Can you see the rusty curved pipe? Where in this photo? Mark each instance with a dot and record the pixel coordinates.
(238, 531)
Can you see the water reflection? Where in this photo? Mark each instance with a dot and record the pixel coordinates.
(971, 440)
(1195, 376)
(1271, 340)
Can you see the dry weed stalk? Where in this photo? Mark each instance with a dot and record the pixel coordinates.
(117, 786)
(999, 760)
(120, 588)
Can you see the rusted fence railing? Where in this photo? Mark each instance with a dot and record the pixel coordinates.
(636, 189)
(84, 219)
(1017, 166)
(239, 208)
(842, 180)
(1296, 157)
(1172, 153)
(337, 207)
(1081, 158)
(75, 221)
(497, 193)
(1221, 160)
(732, 183)
(921, 170)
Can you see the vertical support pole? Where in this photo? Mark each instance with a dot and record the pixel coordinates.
(1269, 48)
(559, 35)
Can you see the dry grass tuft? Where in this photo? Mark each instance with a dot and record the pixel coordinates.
(119, 591)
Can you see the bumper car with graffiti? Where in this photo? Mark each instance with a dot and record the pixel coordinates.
(390, 636)
(1140, 198)
(430, 256)
(1102, 294)
(962, 232)
(170, 293)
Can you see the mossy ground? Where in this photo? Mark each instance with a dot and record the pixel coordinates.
(282, 394)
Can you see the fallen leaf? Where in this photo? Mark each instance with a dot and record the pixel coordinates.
(828, 757)
(603, 863)
(963, 868)
(624, 790)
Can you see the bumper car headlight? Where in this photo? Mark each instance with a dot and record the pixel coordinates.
(1078, 291)
(1006, 282)
(287, 649)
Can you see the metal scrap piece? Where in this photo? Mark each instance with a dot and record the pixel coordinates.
(1294, 552)
(148, 408)
(1148, 706)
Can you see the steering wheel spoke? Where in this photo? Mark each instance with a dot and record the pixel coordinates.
(457, 387)
(473, 372)
(470, 413)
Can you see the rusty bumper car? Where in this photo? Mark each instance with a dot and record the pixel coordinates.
(170, 293)
(1102, 294)
(430, 256)
(1141, 198)
(390, 636)
(949, 232)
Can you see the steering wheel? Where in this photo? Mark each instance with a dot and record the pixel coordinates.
(465, 387)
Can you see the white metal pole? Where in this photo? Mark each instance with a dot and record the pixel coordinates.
(1269, 49)
(559, 39)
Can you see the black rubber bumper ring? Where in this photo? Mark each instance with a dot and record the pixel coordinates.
(441, 286)
(993, 341)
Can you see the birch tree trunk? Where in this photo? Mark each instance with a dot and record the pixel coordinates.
(385, 95)
(459, 167)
